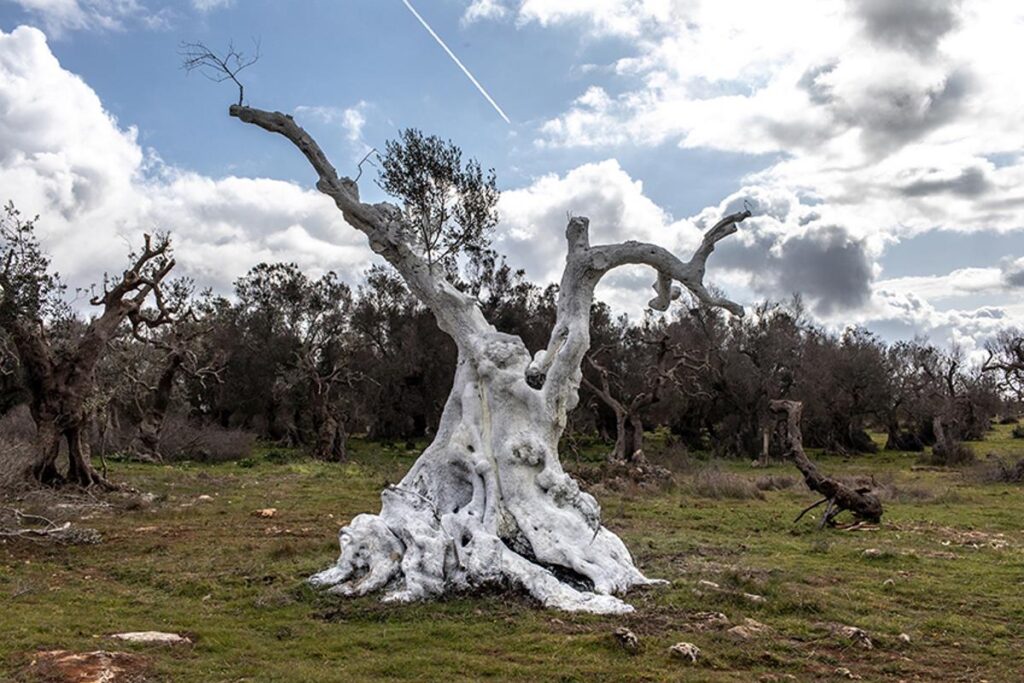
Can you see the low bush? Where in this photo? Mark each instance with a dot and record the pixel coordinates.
(996, 470)
(949, 454)
(184, 439)
(774, 482)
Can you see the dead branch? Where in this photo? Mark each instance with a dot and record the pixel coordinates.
(864, 504)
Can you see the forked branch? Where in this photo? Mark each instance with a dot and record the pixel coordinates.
(219, 67)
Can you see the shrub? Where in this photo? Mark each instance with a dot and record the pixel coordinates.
(905, 441)
(184, 439)
(17, 433)
(995, 470)
(774, 482)
(1018, 432)
(949, 454)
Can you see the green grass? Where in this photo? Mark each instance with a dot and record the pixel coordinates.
(949, 572)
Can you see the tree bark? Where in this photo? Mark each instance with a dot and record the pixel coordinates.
(488, 501)
(148, 437)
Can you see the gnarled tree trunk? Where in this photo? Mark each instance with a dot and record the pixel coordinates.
(488, 501)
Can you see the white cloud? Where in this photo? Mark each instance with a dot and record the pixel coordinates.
(351, 119)
(480, 10)
(59, 16)
(64, 157)
(205, 6)
(888, 113)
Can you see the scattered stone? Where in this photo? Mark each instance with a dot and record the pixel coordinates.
(204, 498)
(708, 584)
(688, 652)
(63, 666)
(151, 637)
(627, 640)
(846, 673)
(888, 583)
(904, 638)
(265, 513)
(873, 552)
(748, 630)
(703, 621)
(752, 597)
(857, 635)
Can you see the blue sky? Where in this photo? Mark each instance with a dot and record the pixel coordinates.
(877, 141)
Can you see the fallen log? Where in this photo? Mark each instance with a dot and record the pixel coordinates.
(861, 502)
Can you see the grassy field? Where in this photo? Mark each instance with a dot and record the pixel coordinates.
(946, 568)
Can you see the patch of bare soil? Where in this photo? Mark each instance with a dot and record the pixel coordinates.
(100, 666)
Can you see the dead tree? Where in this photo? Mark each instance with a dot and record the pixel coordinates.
(488, 501)
(1006, 360)
(864, 504)
(60, 373)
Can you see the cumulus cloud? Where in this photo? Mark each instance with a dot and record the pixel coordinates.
(886, 113)
(915, 25)
(63, 156)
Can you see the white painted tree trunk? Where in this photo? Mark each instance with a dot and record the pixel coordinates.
(488, 502)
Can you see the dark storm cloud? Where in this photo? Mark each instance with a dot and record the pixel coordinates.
(895, 114)
(890, 112)
(1013, 273)
(827, 266)
(910, 25)
(971, 182)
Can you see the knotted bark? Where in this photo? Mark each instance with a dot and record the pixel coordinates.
(488, 501)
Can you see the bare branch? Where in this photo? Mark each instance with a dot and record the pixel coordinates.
(219, 67)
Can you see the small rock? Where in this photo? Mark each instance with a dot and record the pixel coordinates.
(151, 637)
(872, 552)
(708, 584)
(627, 639)
(265, 512)
(888, 583)
(753, 597)
(204, 498)
(846, 673)
(904, 637)
(748, 630)
(688, 652)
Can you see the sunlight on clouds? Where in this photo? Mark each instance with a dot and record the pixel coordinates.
(64, 157)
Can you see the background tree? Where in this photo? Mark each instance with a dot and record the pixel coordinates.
(57, 354)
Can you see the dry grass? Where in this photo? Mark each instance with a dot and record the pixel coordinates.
(717, 483)
(17, 432)
(775, 482)
(183, 439)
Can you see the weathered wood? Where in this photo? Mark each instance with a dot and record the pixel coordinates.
(864, 504)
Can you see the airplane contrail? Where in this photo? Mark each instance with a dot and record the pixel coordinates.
(456, 60)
